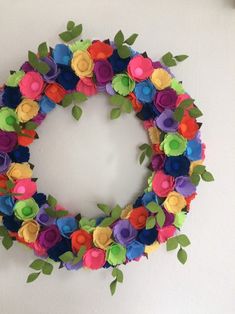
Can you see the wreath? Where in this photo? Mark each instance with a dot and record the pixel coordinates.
(66, 76)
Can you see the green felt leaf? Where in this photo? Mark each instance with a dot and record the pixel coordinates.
(143, 146)
(113, 286)
(150, 222)
(181, 58)
(171, 244)
(186, 103)
(3, 231)
(182, 256)
(66, 257)
(130, 40)
(56, 213)
(76, 31)
(51, 200)
(104, 208)
(66, 36)
(168, 59)
(84, 221)
(161, 217)
(119, 38)
(10, 184)
(195, 179)
(43, 67)
(47, 268)
(43, 50)
(17, 128)
(183, 240)
(117, 100)
(124, 52)
(107, 222)
(118, 274)
(32, 277)
(70, 25)
(3, 190)
(178, 114)
(142, 157)
(199, 169)
(80, 254)
(116, 212)
(37, 264)
(127, 106)
(195, 112)
(79, 97)
(115, 113)
(149, 151)
(153, 207)
(67, 100)
(30, 125)
(32, 58)
(76, 112)
(7, 242)
(207, 176)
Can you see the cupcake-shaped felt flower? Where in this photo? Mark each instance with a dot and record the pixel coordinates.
(174, 202)
(53, 72)
(177, 166)
(26, 140)
(138, 217)
(103, 71)
(145, 91)
(166, 121)
(19, 171)
(100, 50)
(174, 144)
(25, 187)
(86, 86)
(161, 79)
(116, 254)
(46, 105)
(8, 119)
(147, 236)
(11, 96)
(67, 78)
(140, 68)
(31, 85)
(8, 141)
(82, 64)
(20, 154)
(81, 238)
(62, 54)
(134, 250)
(118, 64)
(123, 84)
(5, 162)
(102, 237)
(188, 127)
(55, 92)
(27, 110)
(162, 184)
(29, 231)
(184, 186)
(27, 209)
(43, 218)
(165, 99)
(94, 258)
(49, 237)
(194, 149)
(67, 225)
(124, 232)
(165, 233)
(6, 205)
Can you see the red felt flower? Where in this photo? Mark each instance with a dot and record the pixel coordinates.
(3, 182)
(25, 140)
(55, 92)
(100, 50)
(138, 217)
(81, 238)
(188, 127)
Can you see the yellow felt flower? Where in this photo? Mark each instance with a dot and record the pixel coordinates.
(174, 202)
(126, 212)
(102, 237)
(193, 165)
(29, 231)
(151, 248)
(161, 78)
(19, 171)
(82, 64)
(27, 110)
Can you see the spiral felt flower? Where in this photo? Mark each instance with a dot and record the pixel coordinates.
(118, 64)
(123, 84)
(8, 141)
(19, 171)
(184, 186)
(26, 209)
(26, 187)
(27, 110)
(100, 50)
(29, 231)
(145, 91)
(140, 68)
(86, 86)
(81, 238)
(20, 154)
(116, 254)
(46, 105)
(67, 78)
(138, 217)
(26, 140)
(6, 205)
(177, 166)
(94, 258)
(53, 72)
(55, 92)
(5, 162)
(66, 225)
(82, 64)
(49, 237)
(123, 232)
(162, 184)
(102, 237)
(103, 71)
(161, 79)
(174, 202)
(165, 233)
(165, 99)
(194, 149)
(147, 236)
(8, 119)
(188, 127)
(135, 250)
(43, 218)
(80, 45)
(31, 85)
(11, 97)
(62, 54)
(174, 144)
(166, 121)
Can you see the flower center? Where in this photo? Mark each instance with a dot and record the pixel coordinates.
(32, 228)
(189, 150)
(27, 210)
(82, 65)
(173, 200)
(125, 81)
(115, 250)
(141, 219)
(10, 120)
(26, 108)
(103, 238)
(165, 184)
(44, 217)
(174, 144)
(21, 189)
(146, 90)
(168, 122)
(66, 229)
(138, 71)
(35, 86)
(50, 235)
(95, 254)
(125, 233)
(183, 127)
(81, 239)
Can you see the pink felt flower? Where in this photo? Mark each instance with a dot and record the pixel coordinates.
(26, 188)
(140, 68)
(86, 86)
(165, 233)
(31, 85)
(163, 184)
(94, 258)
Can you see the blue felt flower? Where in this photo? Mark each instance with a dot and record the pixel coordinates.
(62, 54)
(20, 154)
(134, 250)
(11, 97)
(147, 236)
(149, 111)
(40, 198)
(60, 248)
(138, 202)
(145, 91)
(67, 78)
(177, 166)
(194, 149)
(11, 223)
(6, 205)
(149, 197)
(118, 64)
(46, 105)
(66, 225)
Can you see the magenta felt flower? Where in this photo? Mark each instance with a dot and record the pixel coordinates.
(103, 71)
(140, 68)
(31, 85)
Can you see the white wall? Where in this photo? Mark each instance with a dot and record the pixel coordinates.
(206, 284)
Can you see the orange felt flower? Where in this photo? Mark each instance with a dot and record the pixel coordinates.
(55, 92)
(138, 217)
(81, 238)
(100, 50)
(25, 140)
(188, 127)
(137, 106)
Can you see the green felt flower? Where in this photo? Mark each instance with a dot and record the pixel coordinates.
(14, 79)
(26, 209)
(174, 144)
(177, 86)
(80, 45)
(123, 84)
(116, 254)
(179, 219)
(8, 119)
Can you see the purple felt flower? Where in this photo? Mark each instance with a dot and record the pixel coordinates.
(166, 121)
(43, 218)
(8, 141)
(39, 118)
(53, 72)
(184, 186)
(70, 266)
(49, 237)
(123, 232)
(4, 162)
(103, 71)
(165, 99)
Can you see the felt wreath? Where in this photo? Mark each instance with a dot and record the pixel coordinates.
(67, 75)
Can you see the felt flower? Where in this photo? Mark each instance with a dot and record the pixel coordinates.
(8, 119)
(118, 64)
(8, 141)
(140, 68)
(42, 217)
(58, 249)
(71, 266)
(184, 186)
(177, 166)
(151, 248)
(174, 144)
(29, 231)
(26, 209)
(102, 237)
(123, 84)
(53, 72)
(6, 205)
(145, 91)
(100, 50)
(179, 219)
(149, 111)
(26, 140)
(177, 86)
(31, 85)
(62, 54)
(66, 225)
(135, 250)
(166, 121)
(11, 96)
(19, 171)
(109, 89)
(5, 162)
(67, 78)
(165, 99)
(194, 149)
(26, 187)
(40, 198)
(174, 202)
(27, 110)
(116, 254)
(157, 162)
(49, 237)
(161, 79)
(123, 232)
(14, 78)
(86, 86)
(11, 223)
(20, 154)
(163, 184)
(82, 64)
(137, 106)
(125, 214)
(188, 127)
(103, 71)
(80, 45)
(38, 249)
(39, 118)
(138, 217)
(55, 92)
(46, 105)
(165, 233)
(147, 236)
(81, 238)
(94, 258)
(149, 197)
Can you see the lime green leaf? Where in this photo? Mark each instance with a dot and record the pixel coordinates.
(207, 176)
(33, 277)
(199, 169)
(66, 36)
(115, 113)
(168, 59)
(127, 106)
(43, 50)
(104, 208)
(130, 40)
(143, 146)
(171, 244)
(80, 254)
(124, 52)
(76, 112)
(51, 201)
(118, 274)
(76, 31)
(182, 256)
(117, 100)
(70, 25)
(183, 240)
(107, 222)
(181, 58)
(186, 103)
(195, 112)
(119, 38)
(66, 257)
(161, 217)
(178, 114)
(151, 222)
(153, 207)
(149, 151)
(116, 212)
(142, 157)
(7, 242)
(195, 179)
(37, 264)
(67, 100)
(79, 97)
(113, 286)
(47, 268)
(30, 125)
(43, 67)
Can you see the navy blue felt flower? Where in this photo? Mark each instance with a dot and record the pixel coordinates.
(67, 78)
(148, 112)
(11, 97)
(60, 248)
(147, 236)
(138, 202)
(177, 166)
(11, 223)
(20, 154)
(40, 198)
(118, 64)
